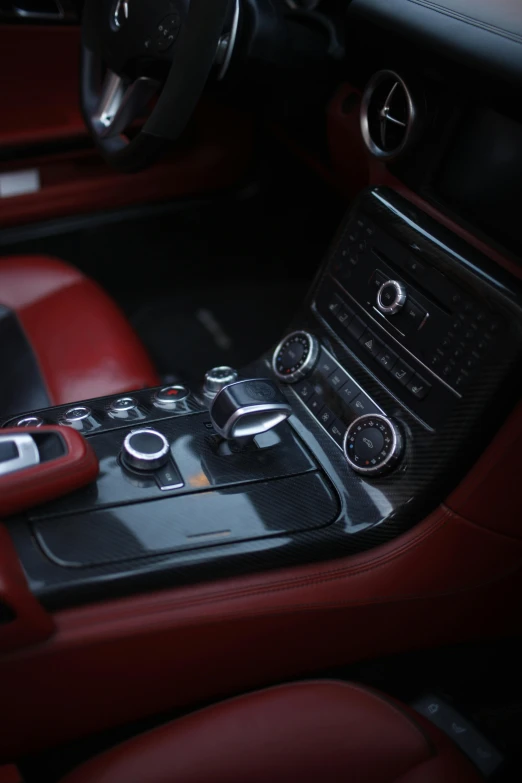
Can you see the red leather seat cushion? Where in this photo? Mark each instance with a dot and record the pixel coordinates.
(82, 341)
(317, 731)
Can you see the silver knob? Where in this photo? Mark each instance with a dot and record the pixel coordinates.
(169, 397)
(217, 378)
(391, 297)
(145, 449)
(80, 417)
(295, 356)
(30, 421)
(120, 408)
(373, 444)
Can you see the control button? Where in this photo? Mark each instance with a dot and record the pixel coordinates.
(337, 430)
(304, 389)
(123, 408)
(413, 315)
(169, 397)
(164, 34)
(295, 357)
(326, 417)
(145, 450)
(344, 316)
(362, 405)
(373, 445)
(378, 279)
(371, 343)
(217, 378)
(391, 297)
(387, 358)
(356, 328)
(402, 372)
(80, 417)
(315, 404)
(168, 477)
(326, 365)
(29, 421)
(419, 387)
(349, 391)
(415, 267)
(461, 379)
(337, 379)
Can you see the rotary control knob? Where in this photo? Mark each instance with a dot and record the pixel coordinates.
(295, 357)
(373, 445)
(391, 297)
(145, 450)
(217, 378)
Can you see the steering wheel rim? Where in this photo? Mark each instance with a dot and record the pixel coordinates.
(191, 58)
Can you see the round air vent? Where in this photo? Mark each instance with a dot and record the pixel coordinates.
(390, 115)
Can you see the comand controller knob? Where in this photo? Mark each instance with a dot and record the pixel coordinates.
(145, 449)
(391, 297)
(295, 356)
(373, 445)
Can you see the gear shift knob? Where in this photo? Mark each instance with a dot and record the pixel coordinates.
(247, 408)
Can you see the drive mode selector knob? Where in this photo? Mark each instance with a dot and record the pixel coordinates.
(295, 356)
(391, 297)
(373, 445)
(145, 450)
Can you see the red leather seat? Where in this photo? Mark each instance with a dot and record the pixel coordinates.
(317, 731)
(74, 342)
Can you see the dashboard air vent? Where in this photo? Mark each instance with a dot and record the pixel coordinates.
(389, 115)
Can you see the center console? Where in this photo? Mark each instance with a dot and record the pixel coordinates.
(388, 384)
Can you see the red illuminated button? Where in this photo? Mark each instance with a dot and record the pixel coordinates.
(169, 397)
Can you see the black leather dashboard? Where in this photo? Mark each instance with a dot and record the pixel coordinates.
(485, 33)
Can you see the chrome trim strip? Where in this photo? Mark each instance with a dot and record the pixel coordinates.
(231, 43)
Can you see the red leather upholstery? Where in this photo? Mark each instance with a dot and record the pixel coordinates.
(30, 487)
(83, 343)
(317, 731)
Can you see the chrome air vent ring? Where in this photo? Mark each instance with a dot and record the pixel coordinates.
(391, 115)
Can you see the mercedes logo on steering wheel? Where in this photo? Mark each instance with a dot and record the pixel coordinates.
(120, 14)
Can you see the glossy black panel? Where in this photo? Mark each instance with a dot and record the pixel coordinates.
(21, 388)
(287, 506)
(201, 463)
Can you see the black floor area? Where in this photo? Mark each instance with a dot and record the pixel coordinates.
(204, 282)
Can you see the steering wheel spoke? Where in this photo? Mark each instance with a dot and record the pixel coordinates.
(121, 102)
(183, 36)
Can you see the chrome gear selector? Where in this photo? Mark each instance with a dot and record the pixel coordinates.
(247, 408)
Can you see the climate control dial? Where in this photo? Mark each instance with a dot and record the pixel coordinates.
(373, 445)
(295, 356)
(391, 297)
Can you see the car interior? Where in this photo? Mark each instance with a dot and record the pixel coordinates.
(260, 410)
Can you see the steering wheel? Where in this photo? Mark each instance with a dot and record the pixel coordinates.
(137, 42)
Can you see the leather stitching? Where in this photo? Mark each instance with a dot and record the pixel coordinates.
(490, 28)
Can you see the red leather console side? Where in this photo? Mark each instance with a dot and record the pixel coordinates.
(31, 623)
(48, 480)
(309, 731)
(489, 495)
(83, 343)
(444, 581)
